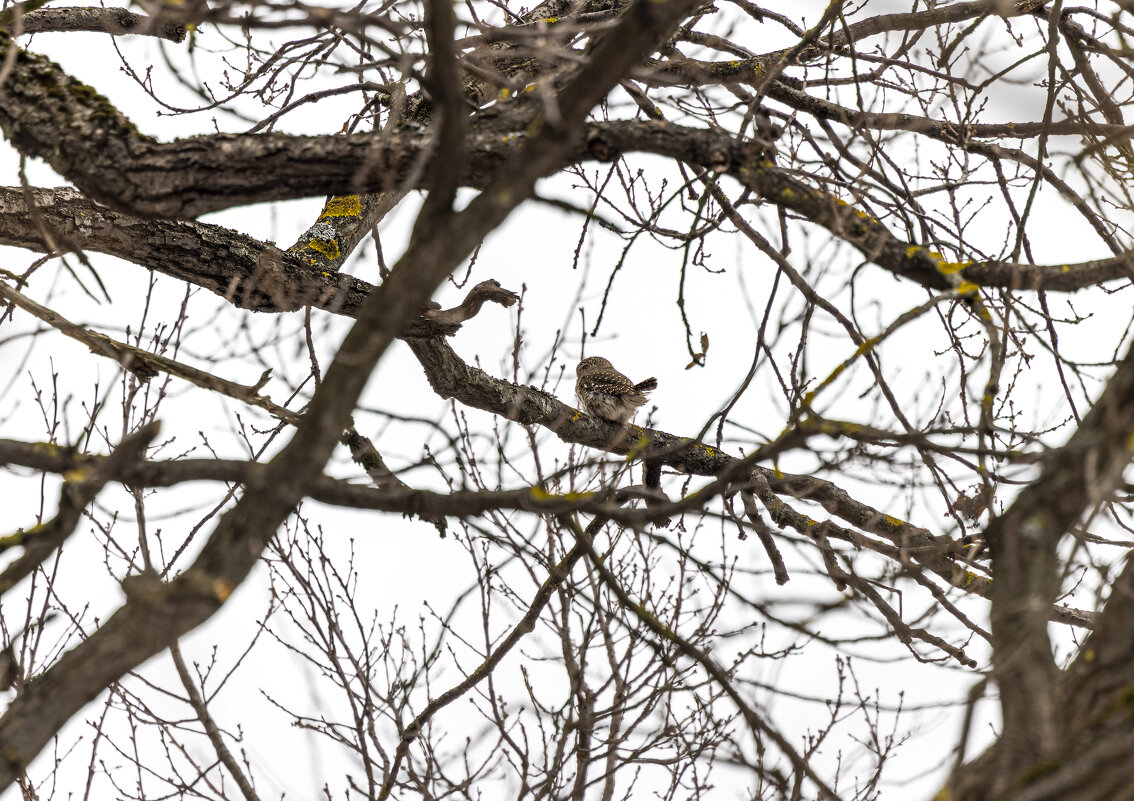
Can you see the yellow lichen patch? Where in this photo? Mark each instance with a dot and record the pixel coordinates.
(912, 251)
(342, 206)
(542, 496)
(787, 194)
(967, 288)
(838, 371)
(1130, 441)
(825, 427)
(329, 249)
(12, 540)
(894, 521)
(222, 588)
(639, 447)
(951, 267)
(1089, 655)
(77, 475)
(867, 345)
(834, 427)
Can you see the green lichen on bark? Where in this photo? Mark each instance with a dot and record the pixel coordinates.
(8, 15)
(41, 87)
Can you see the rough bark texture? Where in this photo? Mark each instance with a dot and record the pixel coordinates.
(1067, 732)
(115, 21)
(156, 612)
(1063, 731)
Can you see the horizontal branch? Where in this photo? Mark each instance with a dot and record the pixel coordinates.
(246, 271)
(47, 113)
(791, 92)
(254, 275)
(141, 472)
(243, 270)
(115, 21)
(79, 489)
(156, 613)
(451, 377)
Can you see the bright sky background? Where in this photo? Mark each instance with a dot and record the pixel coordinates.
(405, 565)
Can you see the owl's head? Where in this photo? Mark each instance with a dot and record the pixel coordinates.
(592, 363)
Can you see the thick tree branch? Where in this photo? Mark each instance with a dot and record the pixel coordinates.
(191, 177)
(257, 276)
(451, 377)
(156, 613)
(115, 21)
(1103, 672)
(245, 271)
(1023, 542)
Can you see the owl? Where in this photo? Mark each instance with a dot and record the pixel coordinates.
(604, 392)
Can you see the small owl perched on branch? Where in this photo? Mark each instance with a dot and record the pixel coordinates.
(604, 392)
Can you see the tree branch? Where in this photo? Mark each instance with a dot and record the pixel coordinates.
(115, 21)
(157, 613)
(1023, 543)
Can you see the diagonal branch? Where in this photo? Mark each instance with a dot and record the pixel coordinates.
(79, 489)
(558, 574)
(144, 364)
(1023, 542)
(752, 716)
(157, 613)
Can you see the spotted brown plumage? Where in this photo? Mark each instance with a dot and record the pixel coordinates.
(604, 392)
